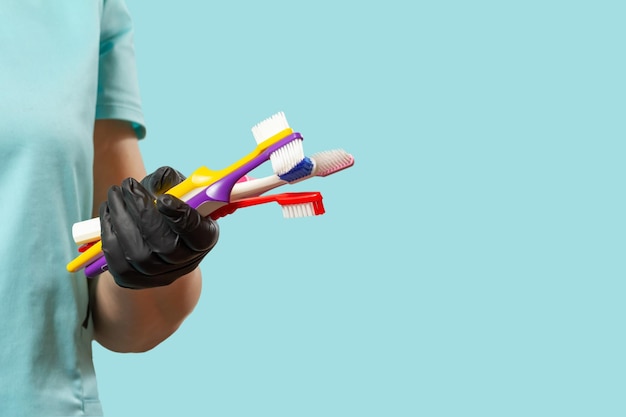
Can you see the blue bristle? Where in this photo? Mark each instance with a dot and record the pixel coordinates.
(302, 169)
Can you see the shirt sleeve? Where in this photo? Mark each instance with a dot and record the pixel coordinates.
(118, 87)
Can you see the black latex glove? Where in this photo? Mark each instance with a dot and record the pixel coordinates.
(151, 245)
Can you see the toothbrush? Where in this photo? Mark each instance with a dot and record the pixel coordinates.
(206, 189)
(294, 205)
(301, 204)
(323, 164)
(320, 164)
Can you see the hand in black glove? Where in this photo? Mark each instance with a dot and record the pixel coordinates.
(151, 245)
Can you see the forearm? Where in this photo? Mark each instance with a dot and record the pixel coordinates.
(127, 320)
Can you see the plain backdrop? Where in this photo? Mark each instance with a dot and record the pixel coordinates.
(470, 263)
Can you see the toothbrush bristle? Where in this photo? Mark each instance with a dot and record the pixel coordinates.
(314, 208)
(287, 157)
(270, 127)
(329, 162)
(303, 169)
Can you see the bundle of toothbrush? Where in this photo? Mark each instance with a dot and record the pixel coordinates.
(219, 193)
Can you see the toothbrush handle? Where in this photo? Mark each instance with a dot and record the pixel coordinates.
(96, 267)
(255, 187)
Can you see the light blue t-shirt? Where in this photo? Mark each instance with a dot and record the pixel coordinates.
(63, 63)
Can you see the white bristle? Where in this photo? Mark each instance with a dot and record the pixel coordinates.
(298, 210)
(328, 162)
(269, 127)
(288, 156)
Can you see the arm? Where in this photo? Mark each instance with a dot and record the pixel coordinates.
(128, 320)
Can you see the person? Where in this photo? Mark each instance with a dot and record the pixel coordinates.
(69, 132)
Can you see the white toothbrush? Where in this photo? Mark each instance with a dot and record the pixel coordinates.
(324, 164)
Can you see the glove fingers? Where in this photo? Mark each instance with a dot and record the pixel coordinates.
(116, 259)
(154, 229)
(162, 180)
(198, 233)
(128, 270)
(131, 213)
(161, 238)
(144, 235)
(124, 225)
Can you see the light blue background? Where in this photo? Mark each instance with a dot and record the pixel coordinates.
(471, 263)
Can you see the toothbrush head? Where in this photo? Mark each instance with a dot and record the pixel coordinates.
(302, 204)
(329, 162)
(288, 156)
(313, 207)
